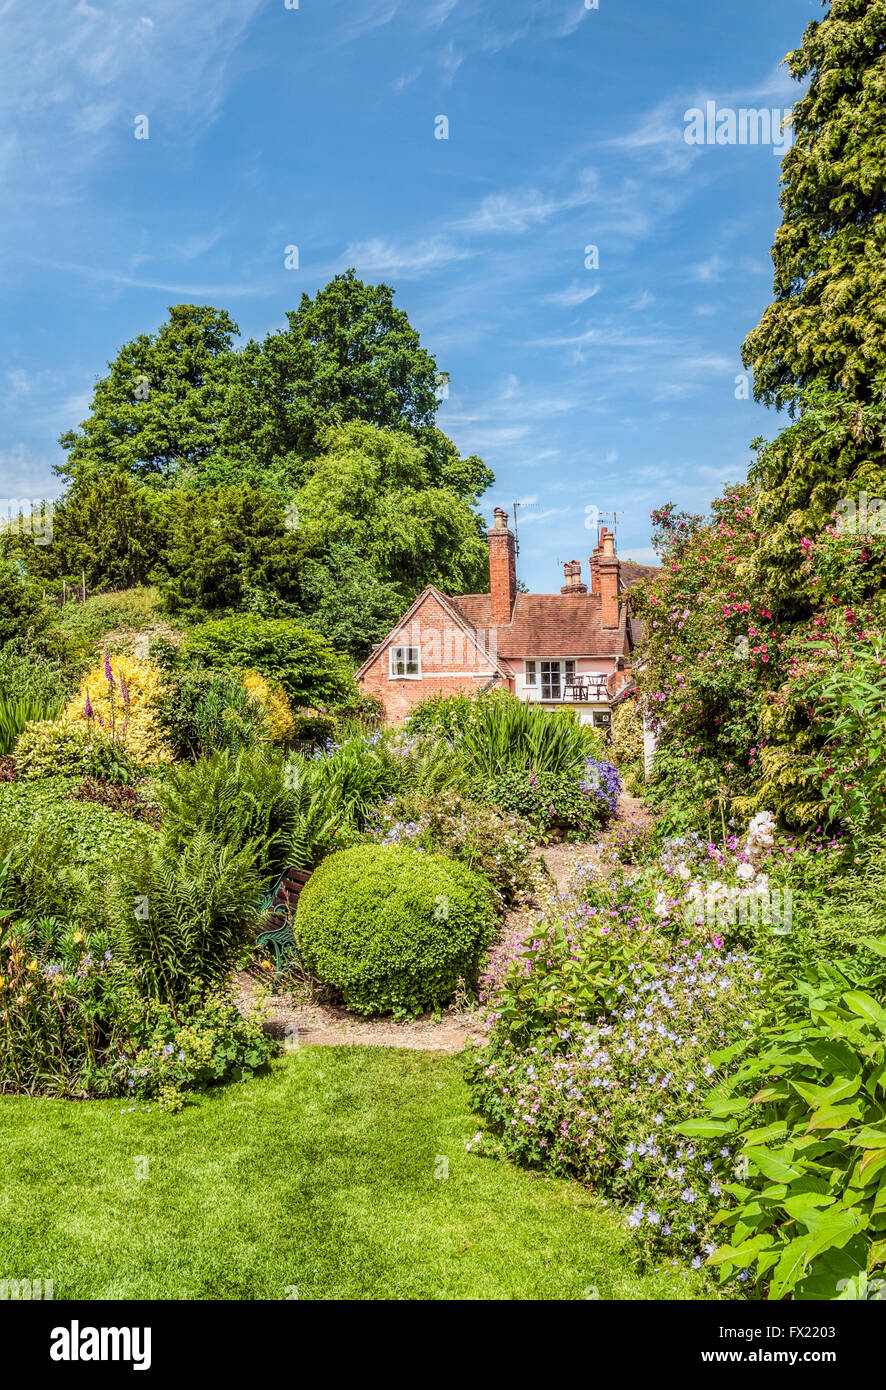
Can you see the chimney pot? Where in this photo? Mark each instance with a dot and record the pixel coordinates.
(572, 578)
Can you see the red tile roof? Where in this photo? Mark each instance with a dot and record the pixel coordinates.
(554, 625)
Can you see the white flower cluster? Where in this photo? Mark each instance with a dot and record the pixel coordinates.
(761, 835)
(721, 903)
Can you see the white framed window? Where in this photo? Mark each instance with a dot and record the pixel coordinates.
(547, 679)
(554, 675)
(405, 663)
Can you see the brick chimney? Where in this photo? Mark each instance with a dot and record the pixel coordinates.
(595, 571)
(502, 569)
(609, 571)
(572, 578)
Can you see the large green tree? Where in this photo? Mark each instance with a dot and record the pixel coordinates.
(347, 354)
(220, 543)
(185, 407)
(27, 621)
(352, 355)
(827, 322)
(156, 415)
(820, 347)
(108, 527)
(372, 491)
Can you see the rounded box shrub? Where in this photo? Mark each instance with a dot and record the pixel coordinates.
(393, 929)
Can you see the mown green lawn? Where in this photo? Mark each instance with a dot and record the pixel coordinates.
(319, 1177)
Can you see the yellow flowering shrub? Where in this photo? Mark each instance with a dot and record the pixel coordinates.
(274, 701)
(126, 706)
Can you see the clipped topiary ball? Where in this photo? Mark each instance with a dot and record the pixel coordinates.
(392, 928)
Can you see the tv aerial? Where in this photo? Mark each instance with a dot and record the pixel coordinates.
(527, 507)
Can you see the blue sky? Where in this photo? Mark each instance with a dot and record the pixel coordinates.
(611, 388)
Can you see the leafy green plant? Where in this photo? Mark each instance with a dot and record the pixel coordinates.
(242, 801)
(393, 930)
(186, 915)
(498, 845)
(572, 800)
(24, 675)
(808, 1110)
(316, 814)
(627, 744)
(506, 735)
(213, 1043)
(442, 716)
(283, 651)
(601, 1041)
(74, 1023)
(54, 747)
(849, 698)
(64, 854)
(15, 714)
(357, 774)
(211, 711)
(66, 1005)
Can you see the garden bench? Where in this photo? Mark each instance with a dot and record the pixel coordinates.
(279, 904)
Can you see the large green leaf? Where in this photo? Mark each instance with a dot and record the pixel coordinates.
(741, 1254)
(772, 1166)
(798, 1206)
(790, 1266)
(834, 1230)
(705, 1129)
(841, 1089)
(836, 1116)
(866, 1007)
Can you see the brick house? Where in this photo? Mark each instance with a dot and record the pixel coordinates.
(570, 648)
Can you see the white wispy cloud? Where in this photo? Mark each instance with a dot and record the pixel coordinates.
(533, 517)
(25, 474)
(573, 295)
(73, 85)
(406, 79)
(660, 134)
(577, 13)
(231, 289)
(191, 247)
(710, 270)
(363, 19)
(521, 209)
(438, 13)
(450, 59)
(383, 257)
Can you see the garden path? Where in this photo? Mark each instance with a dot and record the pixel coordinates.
(305, 1021)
